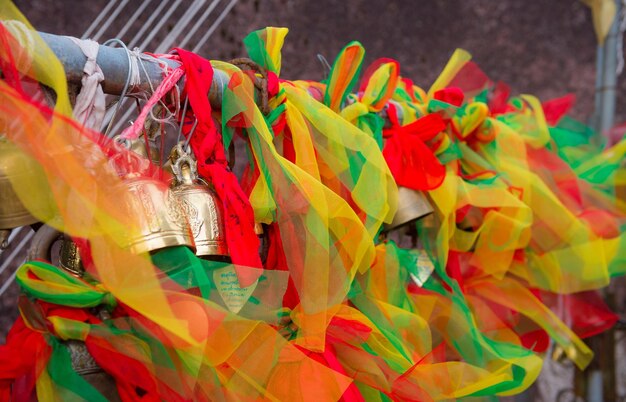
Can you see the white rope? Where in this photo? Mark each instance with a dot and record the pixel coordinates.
(205, 37)
(213, 27)
(133, 18)
(99, 18)
(177, 27)
(207, 12)
(182, 23)
(110, 20)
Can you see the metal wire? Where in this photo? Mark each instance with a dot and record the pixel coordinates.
(133, 18)
(198, 23)
(126, 84)
(110, 20)
(9, 281)
(12, 236)
(155, 13)
(99, 18)
(182, 23)
(159, 24)
(213, 27)
(15, 251)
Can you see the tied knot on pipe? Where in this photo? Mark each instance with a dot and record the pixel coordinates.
(266, 84)
(90, 105)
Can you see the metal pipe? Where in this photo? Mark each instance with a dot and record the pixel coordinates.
(114, 65)
(607, 110)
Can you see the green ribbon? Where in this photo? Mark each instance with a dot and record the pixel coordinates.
(51, 284)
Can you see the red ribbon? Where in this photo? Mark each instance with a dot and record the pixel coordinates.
(208, 147)
(412, 163)
(555, 109)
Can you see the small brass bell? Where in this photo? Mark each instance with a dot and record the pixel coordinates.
(412, 205)
(162, 219)
(138, 146)
(160, 215)
(201, 205)
(13, 164)
(69, 258)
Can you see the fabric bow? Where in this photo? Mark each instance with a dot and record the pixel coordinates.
(412, 163)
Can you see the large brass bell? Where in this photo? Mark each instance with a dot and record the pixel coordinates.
(412, 205)
(200, 203)
(159, 213)
(13, 164)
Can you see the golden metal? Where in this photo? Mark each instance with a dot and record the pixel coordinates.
(162, 219)
(138, 146)
(13, 164)
(200, 203)
(412, 205)
(258, 229)
(69, 258)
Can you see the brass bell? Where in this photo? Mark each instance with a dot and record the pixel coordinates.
(412, 205)
(13, 164)
(161, 216)
(69, 258)
(138, 146)
(200, 203)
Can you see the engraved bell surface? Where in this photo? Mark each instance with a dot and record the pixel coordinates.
(158, 213)
(161, 216)
(13, 164)
(201, 205)
(69, 258)
(412, 205)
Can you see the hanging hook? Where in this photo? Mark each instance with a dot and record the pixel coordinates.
(325, 65)
(193, 129)
(126, 84)
(182, 119)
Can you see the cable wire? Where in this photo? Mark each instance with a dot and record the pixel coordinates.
(182, 23)
(110, 20)
(198, 23)
(213, 27)
(133, 18)
(99, 18)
